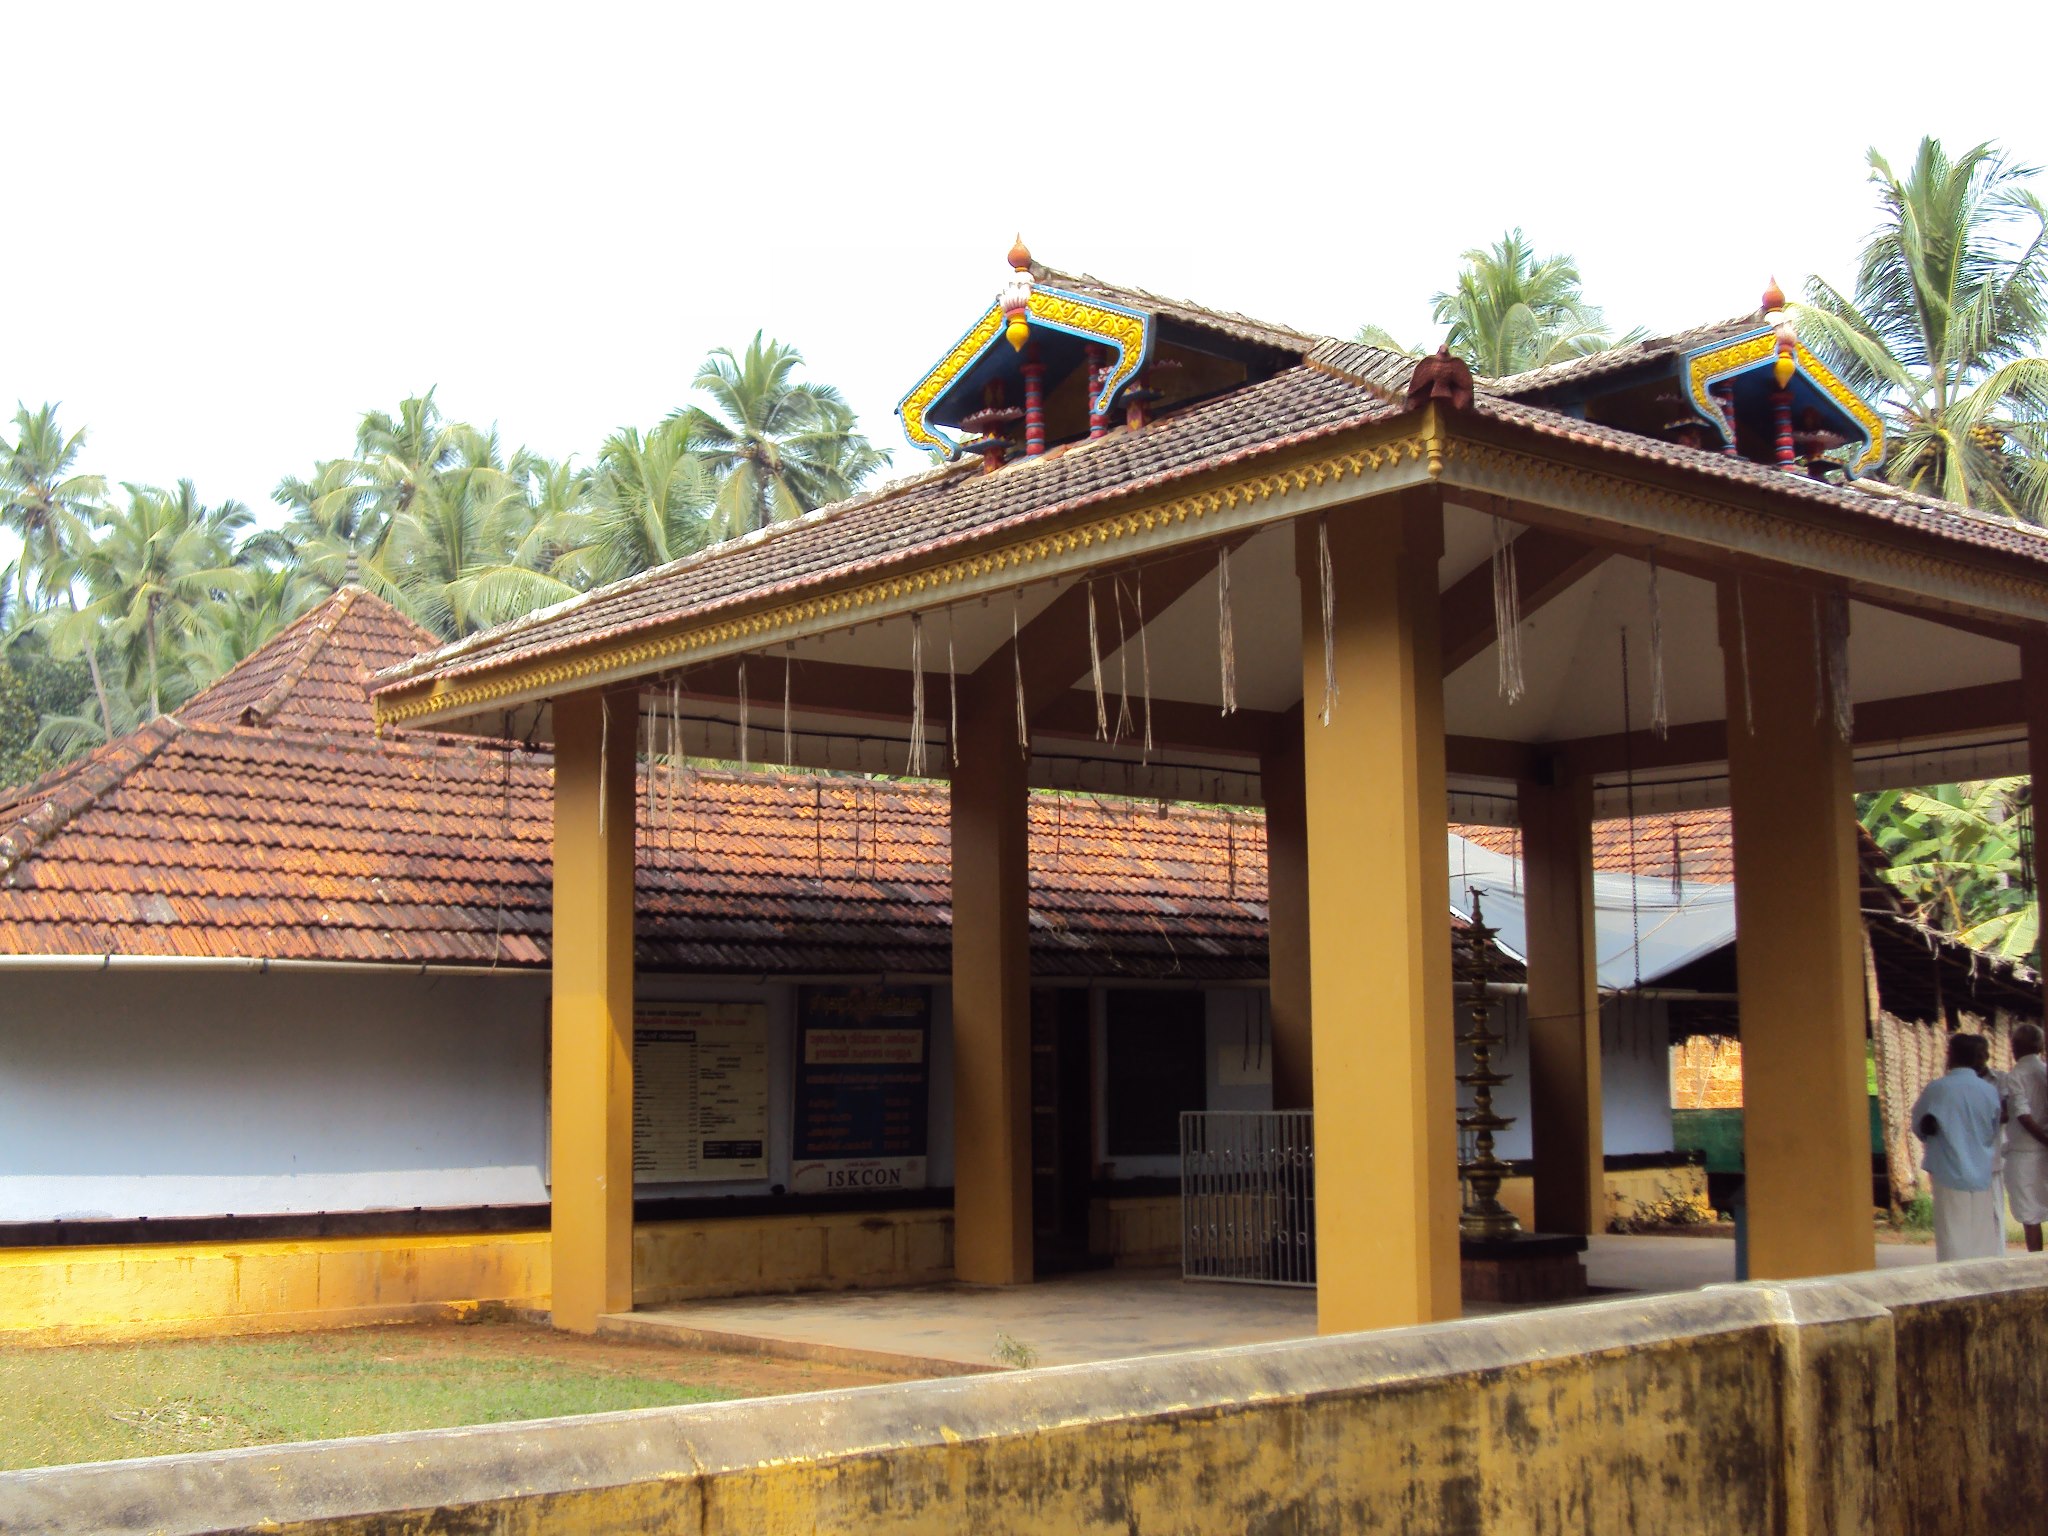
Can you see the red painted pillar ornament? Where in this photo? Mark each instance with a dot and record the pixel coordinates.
(1726, 395)
(1034, 405)
(1017, 296)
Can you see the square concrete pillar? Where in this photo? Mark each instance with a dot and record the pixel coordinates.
(1564, 1007)
(1379, 923)
(991, 986)
(591, 1105)
(1799, 941)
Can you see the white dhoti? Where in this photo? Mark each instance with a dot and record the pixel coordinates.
(1968, 1224)
(2026, 1184)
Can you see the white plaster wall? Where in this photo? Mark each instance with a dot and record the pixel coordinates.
(1635, 1087)
(125, 1094)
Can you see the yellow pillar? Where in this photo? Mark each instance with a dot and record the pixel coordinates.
(991, 987)
(1379, 924)
(1799, 944)
(1287, 968)
(591, 1141)
(1564, 1007)
(2034, 700)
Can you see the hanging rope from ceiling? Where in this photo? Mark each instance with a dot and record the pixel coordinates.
(1660, 709)
(1628, 770)
(1017, 663)
(1226, 639)
(604, 758)
(952, 696)
(1326, 574)
(914, 766)
(1742, 656)
(1123, 666)
(1507, 614)
(788, 650)
(1145, 667)
(1834, 616)
(1095, 668)
(742, 736)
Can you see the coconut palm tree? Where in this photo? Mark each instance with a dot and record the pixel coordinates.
(1511, 311)
(777, 446)
(43, 499)
(153, 573)
(467, 548)
(1944, 327)
(650, 502)
(333, 526)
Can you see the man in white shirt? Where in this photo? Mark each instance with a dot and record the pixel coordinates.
(1957, 1119)
(2025, 1091)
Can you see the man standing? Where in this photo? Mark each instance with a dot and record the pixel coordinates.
(2025, 1090)
(1956, 1117)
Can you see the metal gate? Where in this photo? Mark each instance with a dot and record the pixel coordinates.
(1248, 1196)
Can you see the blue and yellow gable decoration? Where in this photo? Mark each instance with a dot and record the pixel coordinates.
(1030, 325)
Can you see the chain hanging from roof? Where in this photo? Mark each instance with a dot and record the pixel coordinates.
(1660, 708)
(788, 754)
(1226, 639)
(1507, 615)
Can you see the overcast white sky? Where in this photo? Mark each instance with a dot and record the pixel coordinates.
(233, 230)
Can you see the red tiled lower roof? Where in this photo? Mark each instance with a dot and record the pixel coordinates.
(314, 674)
(1692, 845)
(239, 841)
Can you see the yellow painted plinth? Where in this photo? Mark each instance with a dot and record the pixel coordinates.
(74, 1295)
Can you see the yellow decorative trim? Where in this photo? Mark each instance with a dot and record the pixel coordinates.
(933, 384)
(1126, 330)
(1025, 559)
(1123, 329)
(1747, 352)
(1730, 526)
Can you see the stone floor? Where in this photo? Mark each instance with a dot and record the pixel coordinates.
(1104, 1314)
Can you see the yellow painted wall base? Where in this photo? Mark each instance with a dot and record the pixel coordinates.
(72, 1295)
(1135, 1231)
(82, 1294)
(1633, 1194)
(746, 1256)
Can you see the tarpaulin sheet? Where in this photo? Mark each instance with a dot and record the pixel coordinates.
(1646, 926)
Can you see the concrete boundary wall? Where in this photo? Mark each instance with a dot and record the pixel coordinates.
(1760, 1408)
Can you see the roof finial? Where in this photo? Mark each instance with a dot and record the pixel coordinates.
(1017, 295)
(1774, 302)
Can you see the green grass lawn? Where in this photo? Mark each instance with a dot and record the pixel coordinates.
(103, 1402)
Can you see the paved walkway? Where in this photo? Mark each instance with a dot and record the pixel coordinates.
(1103, 1314)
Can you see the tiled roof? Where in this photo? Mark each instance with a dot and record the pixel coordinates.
(1941, 519)
(313, 674)
(1224, 322)
(927, 514)
(1694, 845)
(215, 838)
(1634, 354)
(1340, 386)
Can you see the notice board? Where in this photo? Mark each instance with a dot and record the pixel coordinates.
(700, 1091)
(863, 1088)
